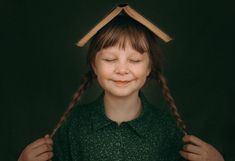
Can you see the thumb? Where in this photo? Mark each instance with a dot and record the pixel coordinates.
(46, 136)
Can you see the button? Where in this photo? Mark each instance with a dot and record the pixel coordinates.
(118, 144)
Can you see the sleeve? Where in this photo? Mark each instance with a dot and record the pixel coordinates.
(61, 146)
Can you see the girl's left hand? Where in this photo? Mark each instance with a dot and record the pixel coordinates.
(197, 150)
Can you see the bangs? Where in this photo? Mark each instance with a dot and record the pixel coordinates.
(120, 31)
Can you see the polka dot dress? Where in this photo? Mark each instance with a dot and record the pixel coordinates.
(89, 135)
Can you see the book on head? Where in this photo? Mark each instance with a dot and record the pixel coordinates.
(130, 12)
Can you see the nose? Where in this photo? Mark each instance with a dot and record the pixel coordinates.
(122, 68)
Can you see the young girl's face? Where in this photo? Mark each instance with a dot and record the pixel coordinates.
(121, 72)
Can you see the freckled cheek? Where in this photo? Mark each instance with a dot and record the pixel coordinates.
(140, 72)
(140, 76)
(105, 72)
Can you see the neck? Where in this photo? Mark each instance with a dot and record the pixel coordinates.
(120, 109)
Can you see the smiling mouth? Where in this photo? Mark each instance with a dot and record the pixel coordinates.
(121, 83)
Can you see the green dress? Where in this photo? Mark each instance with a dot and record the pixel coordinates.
(89, 135)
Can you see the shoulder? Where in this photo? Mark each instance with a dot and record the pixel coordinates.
(165, 121)
(161, 117)
(79, 115)
(76, 122)
(169, 132)
(82, 112)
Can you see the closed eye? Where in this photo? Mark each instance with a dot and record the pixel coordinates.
(109, 60)
(135, 61)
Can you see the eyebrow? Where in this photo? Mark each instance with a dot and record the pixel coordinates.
(132, 53)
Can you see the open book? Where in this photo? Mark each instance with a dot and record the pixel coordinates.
(130, 12)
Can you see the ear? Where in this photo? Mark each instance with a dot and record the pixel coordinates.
(93, 67)
(149, 68)
(148, 71)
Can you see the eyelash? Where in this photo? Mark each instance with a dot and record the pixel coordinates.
(134, 61)
(112, 60)
(109, 60)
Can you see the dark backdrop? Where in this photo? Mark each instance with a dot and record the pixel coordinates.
(41, 67)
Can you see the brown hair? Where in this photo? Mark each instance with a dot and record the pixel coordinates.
(117, 32)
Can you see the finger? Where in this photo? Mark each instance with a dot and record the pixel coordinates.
(47, 141)
(190, 156)
(40, 142)
(42, 149)
(36, 143)
(47, 136)
(194, 140)
(44, 156)
(32, 154)
(192, 149)
(39, 150)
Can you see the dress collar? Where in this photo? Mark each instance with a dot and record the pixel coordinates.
(140, 124)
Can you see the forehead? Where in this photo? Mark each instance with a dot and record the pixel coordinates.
(117, 49)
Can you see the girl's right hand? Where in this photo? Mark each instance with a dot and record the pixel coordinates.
(39, 150)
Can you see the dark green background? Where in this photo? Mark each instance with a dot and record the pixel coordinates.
(41, 67)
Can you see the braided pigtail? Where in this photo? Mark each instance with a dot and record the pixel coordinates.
(170, 101)
(85, 83)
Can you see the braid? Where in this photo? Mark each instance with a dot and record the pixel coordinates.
(170, 101)
(85, 83)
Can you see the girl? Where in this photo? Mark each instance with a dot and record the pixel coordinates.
(121, 124)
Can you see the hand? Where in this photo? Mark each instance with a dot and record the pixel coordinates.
(197, 150)
(39, 150)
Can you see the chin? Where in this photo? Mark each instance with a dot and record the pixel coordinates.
(121, 92)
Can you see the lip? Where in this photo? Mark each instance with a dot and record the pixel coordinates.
(121, 82)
